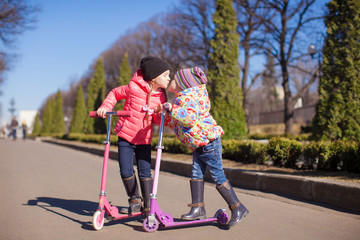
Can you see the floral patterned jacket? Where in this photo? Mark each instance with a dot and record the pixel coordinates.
(190, 117)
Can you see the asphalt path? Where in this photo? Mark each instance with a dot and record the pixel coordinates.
(51, 192)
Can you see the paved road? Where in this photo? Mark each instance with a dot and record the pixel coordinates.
(51, 192)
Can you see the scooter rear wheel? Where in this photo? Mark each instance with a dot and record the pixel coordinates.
(97, 221)
(149, 228)
(222, 217)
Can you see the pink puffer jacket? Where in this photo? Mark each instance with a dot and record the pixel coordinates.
(136, 129)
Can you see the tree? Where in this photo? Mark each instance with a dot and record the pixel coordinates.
(338, 112)
(124, 73)
(266, 96)
(251, 16)
(79, 115)
(37, 127)
(191, 31)
(124, 79)
(16, 16)
(223, 75)
(47, 118)
(269, 83)
(286, 33)
(95, 96)
(58, 120)
(69, 98)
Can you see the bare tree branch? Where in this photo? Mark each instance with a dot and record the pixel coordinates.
(16, 16)
(284, 32)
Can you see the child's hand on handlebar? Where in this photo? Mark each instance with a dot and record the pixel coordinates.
(166, 107)
(101, 112)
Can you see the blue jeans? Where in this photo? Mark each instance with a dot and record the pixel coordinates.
(209, 156)
(126, 153)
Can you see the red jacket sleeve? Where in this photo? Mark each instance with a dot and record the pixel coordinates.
(114, 96)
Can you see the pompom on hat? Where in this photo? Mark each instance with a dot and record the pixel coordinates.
(151, 67)
(190, 77)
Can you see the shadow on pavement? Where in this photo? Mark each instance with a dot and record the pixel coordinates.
(80, 207)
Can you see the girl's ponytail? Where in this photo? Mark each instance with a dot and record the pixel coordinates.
(148, 101)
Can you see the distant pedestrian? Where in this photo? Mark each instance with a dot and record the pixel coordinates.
(14, 125)
(24, 129)
(4, 132)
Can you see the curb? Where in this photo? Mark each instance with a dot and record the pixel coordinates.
(343, 195)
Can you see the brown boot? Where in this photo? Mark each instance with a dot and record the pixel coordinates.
(197, 210)
(238, 211)
(132, 191)
(146, 188)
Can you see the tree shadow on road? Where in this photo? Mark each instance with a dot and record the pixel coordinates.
(80, 207)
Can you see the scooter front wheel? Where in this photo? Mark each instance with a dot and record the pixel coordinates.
(149, 228)
(97, 221)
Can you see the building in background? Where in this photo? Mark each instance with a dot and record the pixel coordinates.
(27, 116)
(302, 115)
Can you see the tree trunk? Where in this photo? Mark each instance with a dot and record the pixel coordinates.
(244, 88)
(289, 108)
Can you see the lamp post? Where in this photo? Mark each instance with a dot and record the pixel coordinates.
(312, 51)
(12, 108)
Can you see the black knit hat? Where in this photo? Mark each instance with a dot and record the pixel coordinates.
(151, 67)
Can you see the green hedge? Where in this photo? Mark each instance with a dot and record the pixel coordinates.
(337, 155)
(284, 152)
(90, 138)
(244, 151)
(279, 151)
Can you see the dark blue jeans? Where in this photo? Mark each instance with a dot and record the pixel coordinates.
(126, 153)
(209, 156)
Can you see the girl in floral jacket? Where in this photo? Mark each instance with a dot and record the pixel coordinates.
(196, 128)
(143, 94)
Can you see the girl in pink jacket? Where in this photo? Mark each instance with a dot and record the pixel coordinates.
(142, 95)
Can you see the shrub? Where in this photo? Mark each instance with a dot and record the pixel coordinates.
(90, 138)
(284, 152)
(300, 137)
(352, 158)
(332, 155)
(171, 144)
(259, 136)
(322, 155)
(346, 156)
(316, 155)
(245, 152)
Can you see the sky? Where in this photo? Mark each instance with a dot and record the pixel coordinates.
(68, 36)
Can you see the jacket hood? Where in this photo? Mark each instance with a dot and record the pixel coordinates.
(139, 80)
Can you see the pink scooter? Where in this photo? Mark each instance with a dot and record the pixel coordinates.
(112, 212)
(156, 216)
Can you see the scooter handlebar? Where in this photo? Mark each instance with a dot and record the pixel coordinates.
(167, 106)
(93, 114)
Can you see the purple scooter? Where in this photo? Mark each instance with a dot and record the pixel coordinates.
(156, 216)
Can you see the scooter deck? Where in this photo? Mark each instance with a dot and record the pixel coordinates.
(185, 223)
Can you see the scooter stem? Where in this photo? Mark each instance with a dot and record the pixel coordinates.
(106, 158)
(158, 157)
